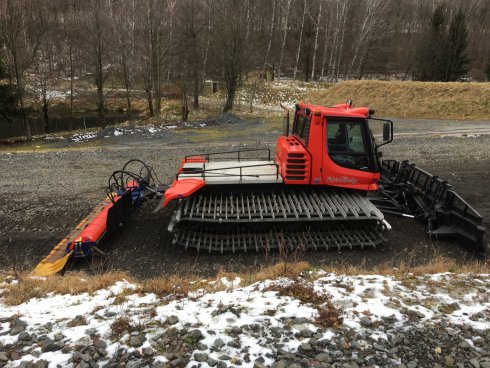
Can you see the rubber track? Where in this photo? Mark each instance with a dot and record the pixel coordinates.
(340, 236)
(279, 205)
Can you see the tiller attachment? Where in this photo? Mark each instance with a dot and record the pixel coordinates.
(409, 190)
(125, 190)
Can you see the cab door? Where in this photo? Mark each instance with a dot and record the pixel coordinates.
(347, 158)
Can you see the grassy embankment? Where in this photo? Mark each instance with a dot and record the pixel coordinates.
(419, 100)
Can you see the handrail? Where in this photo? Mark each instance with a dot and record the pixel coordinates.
(238, 152)
(205, 170)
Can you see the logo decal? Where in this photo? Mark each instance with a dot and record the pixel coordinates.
(342, 179)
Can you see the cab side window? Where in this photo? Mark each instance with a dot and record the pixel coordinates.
(302, 127)
(346, 145)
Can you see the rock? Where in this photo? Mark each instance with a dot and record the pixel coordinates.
(438, 350)
(3, 357)
(449, 361)
(201, 357)
(195, 335)
(218, 343)
(305, 347)
(41, 364)
(212, 362)
(464, 344)
(224, 357)
(306, 332)
(147, 352)
(136, 341)
(474, 362)
(24, 336)
(17, 330)
(48, 345)
(380, 347)
(235, 331)
(172, 320)
(221, 364)
(275, 331)
(99, 343)
(323, 358)
(415, 313)
(345, 345)
(14, 355)
(281, 364)
(365, 321)
(179, 362)
(90, 331)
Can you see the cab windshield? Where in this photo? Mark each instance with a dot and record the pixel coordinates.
(347, 144)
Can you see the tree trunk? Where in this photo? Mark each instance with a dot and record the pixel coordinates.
(315, 48)
(149, 98)
(100, 100)
(196, 86)
(45, 115)
(299, 42)
(71, 82)
(185, 107)
(27, 127)
(284, 40)
(230, 97)
(325, 47)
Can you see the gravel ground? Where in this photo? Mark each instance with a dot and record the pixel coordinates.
(48, 186)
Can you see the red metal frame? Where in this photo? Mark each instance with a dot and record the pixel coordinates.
(300, 164)
(323, 171)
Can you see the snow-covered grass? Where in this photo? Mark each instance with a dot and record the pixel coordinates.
(77, 312)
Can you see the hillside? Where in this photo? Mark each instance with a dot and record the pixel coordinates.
(455, 101)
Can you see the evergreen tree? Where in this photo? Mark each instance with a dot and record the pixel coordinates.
(458, 60)
(8, 97)
(487, 68)
(432, 58)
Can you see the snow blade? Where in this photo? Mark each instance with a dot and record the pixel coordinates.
(409, 189)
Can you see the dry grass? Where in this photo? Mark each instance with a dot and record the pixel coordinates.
(432, 100)
(28, 287)
(120, 326)
(178, 286)
(438, 265)
(328, 315)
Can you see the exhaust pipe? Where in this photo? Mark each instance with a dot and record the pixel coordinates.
(285, 124)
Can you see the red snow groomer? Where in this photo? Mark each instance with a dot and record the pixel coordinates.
(324, 186)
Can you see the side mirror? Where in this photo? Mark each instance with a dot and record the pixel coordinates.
(386, 131)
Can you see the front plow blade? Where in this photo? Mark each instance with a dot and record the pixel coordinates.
(416, 191)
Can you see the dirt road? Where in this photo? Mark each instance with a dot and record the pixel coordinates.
(46, 190)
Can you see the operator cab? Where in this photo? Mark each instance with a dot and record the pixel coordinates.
(335, 144)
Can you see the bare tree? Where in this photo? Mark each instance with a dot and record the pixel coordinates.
(373, 17)
(192, 25)
(98, 43)
(231, 51)
(124, 27)
(315, 48)
(284, 36)
(300, 41)
(21, 31)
